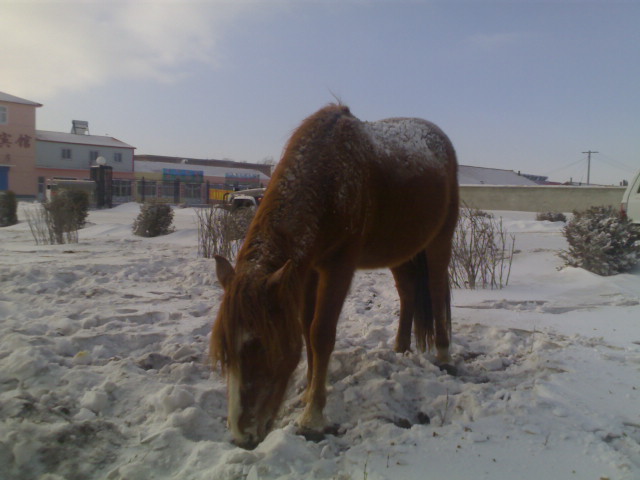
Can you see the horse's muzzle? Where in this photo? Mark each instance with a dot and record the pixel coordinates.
(249, 441)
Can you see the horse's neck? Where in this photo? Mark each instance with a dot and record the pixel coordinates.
(288, 223)
(281, 235)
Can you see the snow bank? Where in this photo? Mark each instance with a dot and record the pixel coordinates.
(103, 370)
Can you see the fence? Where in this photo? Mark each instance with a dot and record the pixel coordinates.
(173, 191)
(487, 197)
(539, 198)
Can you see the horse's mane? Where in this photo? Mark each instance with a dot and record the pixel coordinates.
(295, 187)
(316, 125)
(269, 243)
(246, 313)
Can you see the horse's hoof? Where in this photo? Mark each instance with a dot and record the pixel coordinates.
(310, 435)
(247, 445)
(402, 423)
(332, 430)
(316, 436)
(449, 369)
(423, 418)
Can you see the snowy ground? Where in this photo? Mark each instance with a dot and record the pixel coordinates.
(103, 370)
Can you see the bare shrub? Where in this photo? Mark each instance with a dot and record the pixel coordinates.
(482, 251)
(58, 220)
(221, 232)
(39, 225)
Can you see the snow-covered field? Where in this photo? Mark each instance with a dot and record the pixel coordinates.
(103, 371)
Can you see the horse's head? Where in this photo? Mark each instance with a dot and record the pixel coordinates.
(257, 340)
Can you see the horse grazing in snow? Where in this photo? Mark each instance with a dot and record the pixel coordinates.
(346, 195)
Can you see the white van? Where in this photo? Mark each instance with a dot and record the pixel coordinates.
(630, 205)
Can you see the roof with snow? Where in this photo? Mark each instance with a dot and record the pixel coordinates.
(97, 140)
(468, 175)
(207, 171)
(212, 162)
(5, 97)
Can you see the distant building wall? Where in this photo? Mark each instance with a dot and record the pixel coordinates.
(266, 169)
(539, 198)
(70, 174)
(72, 156)
(229, 176)
(17, 148)
(159, 177)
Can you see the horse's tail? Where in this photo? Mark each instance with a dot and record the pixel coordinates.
(423, 319)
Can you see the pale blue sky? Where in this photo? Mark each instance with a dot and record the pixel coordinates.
(519, 85)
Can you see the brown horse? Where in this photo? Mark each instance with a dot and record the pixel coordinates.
(346, 194)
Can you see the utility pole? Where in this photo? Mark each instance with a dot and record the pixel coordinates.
(589, 164)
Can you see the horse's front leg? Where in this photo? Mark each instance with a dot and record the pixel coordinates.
(333, 285)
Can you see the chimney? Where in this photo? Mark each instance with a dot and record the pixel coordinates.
(79, 127)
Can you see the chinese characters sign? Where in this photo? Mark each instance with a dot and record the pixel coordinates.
(6, 140)
(192, 176)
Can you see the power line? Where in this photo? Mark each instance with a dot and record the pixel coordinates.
(615, 163)
(564, 167)
(603, 158)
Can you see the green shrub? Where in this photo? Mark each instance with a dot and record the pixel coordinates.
(8, 209)
(77, 201)
(58, 220)
(153, 220)
(602, 241)
(65, 214)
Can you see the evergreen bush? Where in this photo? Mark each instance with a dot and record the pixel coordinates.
(65, 214)
(154, 219)
(77, 202)
(551, 216)
(601, 241)
(8, 209)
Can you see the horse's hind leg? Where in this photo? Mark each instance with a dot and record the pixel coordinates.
(309, 306)
(405, 278)
(438, 255)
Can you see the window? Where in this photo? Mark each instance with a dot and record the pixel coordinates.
(4, 115)
(66, 153)
(93, 155)
(117, 157)
(192, 190)
(121, 188)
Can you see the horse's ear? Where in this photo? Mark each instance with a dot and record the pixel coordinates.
(224, 271)
(279, 277)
